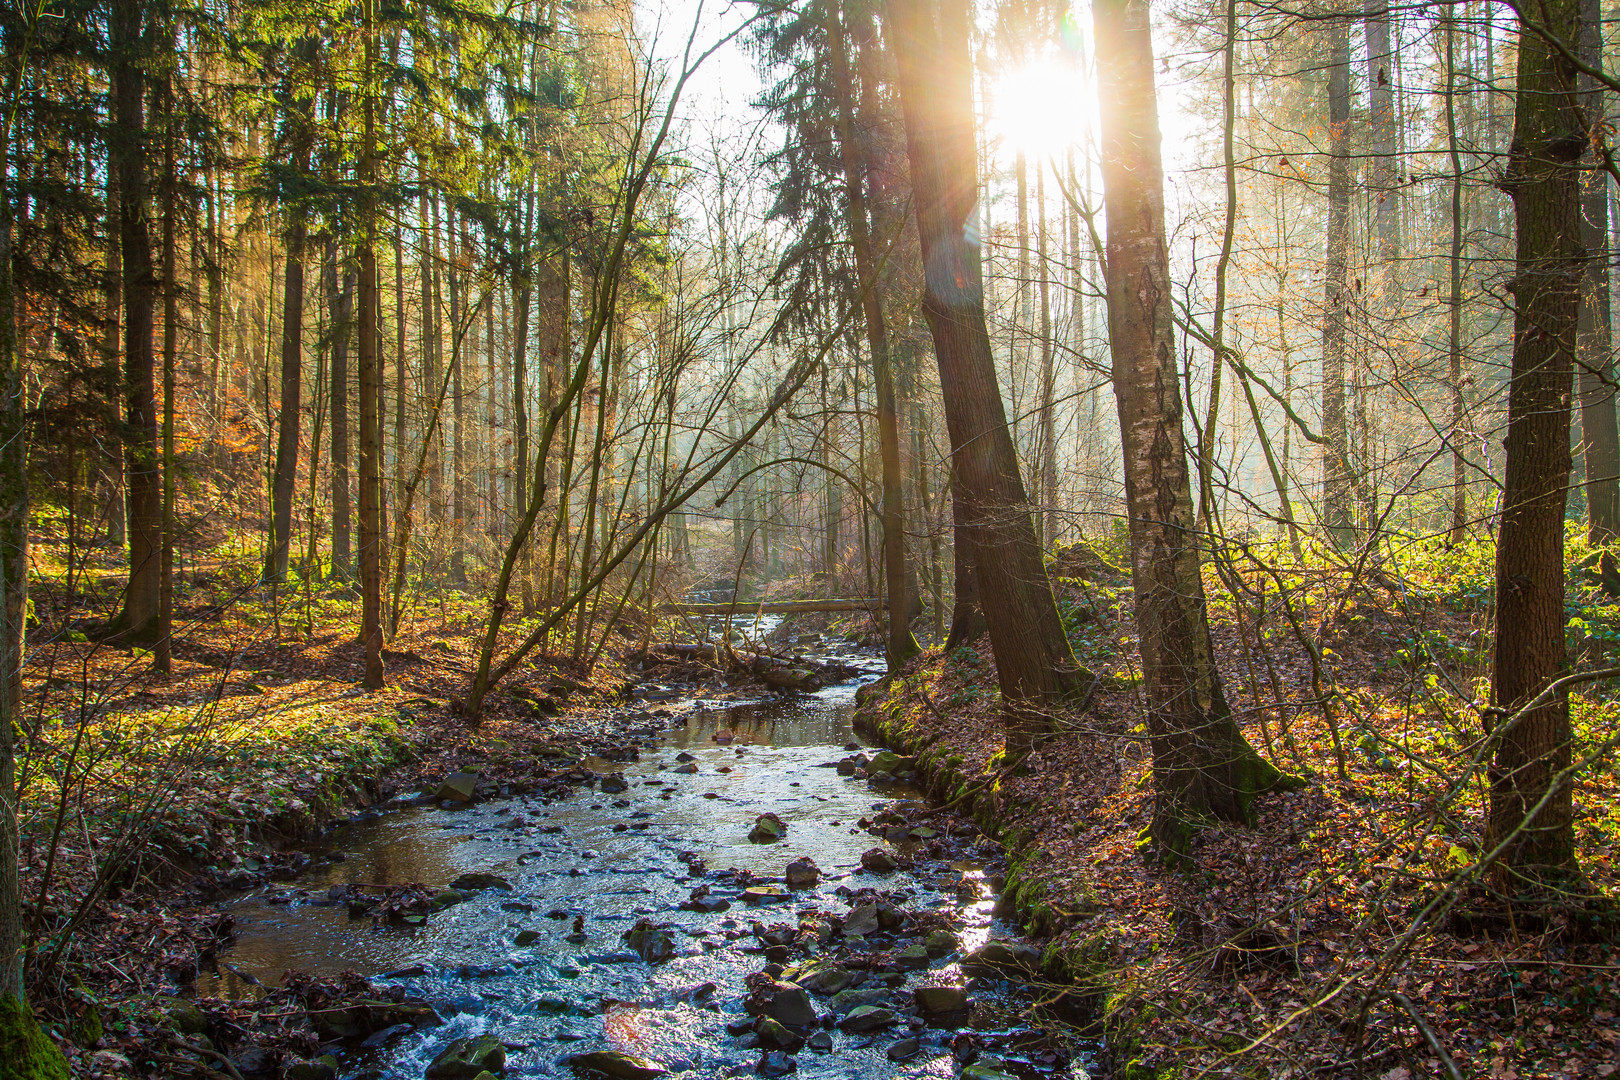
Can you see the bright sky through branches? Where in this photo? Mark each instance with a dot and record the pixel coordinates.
(1041, 108)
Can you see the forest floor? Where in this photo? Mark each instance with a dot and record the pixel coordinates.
(1295, 948)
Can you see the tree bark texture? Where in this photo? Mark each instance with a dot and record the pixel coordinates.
(1549, 139)
(1336, 513)
(967, 617)
(1384, 172)
(292, 379)
(901, 645)
(371, 536)
(1203, 767)
(1035, 665)
(1600, 431)
(340, 304)
(144, 483)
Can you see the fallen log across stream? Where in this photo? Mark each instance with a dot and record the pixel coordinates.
(781, 670)
(742, 609)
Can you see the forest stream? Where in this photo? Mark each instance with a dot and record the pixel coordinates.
(539, 957)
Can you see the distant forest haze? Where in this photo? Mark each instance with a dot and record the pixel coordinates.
(1159, 353)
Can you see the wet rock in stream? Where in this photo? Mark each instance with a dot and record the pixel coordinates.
(465, 1059)
(803, 873)
(618, 1066)
(768, 829)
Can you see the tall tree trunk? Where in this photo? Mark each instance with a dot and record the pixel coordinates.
(219, 370)
(901, 645)
(428, 230)
(459, 336)
(832, 507)
(1336, 510)
(342, 326)
(1019, 332)
(112, 345)
(371, 537)
(1600, 432)
(438, 505)
(1385, 178)
(399, 369)
(139, 617)
(285, 475)
(1048, 439)
(1454, 350)
(1034, 663)
(29, 1052)
(1203, 767)
(522, 291)
(163, 647)
(967, 616)
(1549, 138)
(1218, 357)
(13, 590)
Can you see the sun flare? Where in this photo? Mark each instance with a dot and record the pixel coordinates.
(1039, 109)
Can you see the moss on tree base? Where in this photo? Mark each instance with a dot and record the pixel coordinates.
(26, 1052)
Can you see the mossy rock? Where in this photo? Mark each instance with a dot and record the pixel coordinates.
(25, 1049)
(465, 1059)
(1126, 1015)
(88, 1030)
(184, 1017)
(324, 1067)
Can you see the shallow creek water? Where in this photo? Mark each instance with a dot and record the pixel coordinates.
(612, 859)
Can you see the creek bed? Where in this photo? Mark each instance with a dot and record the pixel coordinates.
(585, 869)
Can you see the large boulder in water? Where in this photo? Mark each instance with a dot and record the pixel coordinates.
(803, 873)
(878, 861)
(777, 1035)
(827, 978)
(1003, 960)
(457, 787)
(776, 1063)
(887, 761)
(464, 1059)
(863, 920)
(945, 1006)
(478, 882)
(866, 1018)
(791, 1005)
(619, 1066)
(651, 942)
(768, 829)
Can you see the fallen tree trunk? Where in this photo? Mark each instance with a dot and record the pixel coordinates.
(779, 607)
(780, 670)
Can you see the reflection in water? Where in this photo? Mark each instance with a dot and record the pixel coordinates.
(609, 860)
